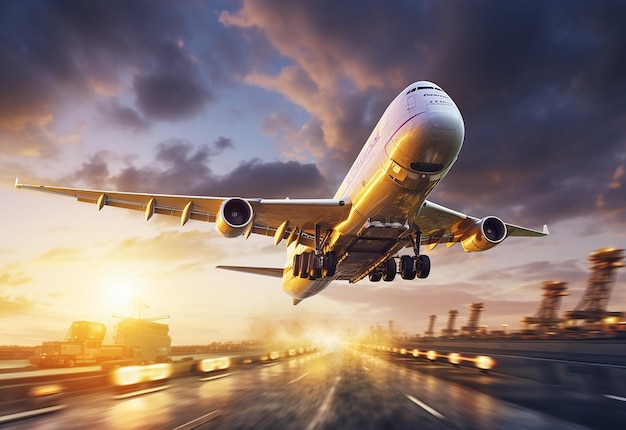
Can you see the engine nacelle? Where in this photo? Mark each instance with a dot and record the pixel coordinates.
(485, 234)
(233, 218)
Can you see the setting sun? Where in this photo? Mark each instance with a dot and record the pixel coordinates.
(120, 291)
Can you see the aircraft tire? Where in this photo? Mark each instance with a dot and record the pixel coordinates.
(330, 264)
(305, 263)
(375, 276)
(407, 270)
(391, 268)
(423, 266)
(297, 262)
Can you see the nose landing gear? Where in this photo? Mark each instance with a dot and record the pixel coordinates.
(313, 266)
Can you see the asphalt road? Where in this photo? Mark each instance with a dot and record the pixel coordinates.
(342, 389)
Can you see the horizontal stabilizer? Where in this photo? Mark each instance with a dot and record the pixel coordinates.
(265, 271)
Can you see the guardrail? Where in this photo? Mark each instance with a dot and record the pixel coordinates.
(31, 395)
(606, 379)
(483, 362)
(30, 401)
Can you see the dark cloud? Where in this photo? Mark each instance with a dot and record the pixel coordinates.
(223, 143)
(54, 53)
(539, 86)
(94, 172)
(274, 179)
(180, 167)
(536, 83)
(123, 116)
(167, 96)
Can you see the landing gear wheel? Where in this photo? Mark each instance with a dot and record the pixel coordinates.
(297, 262)
(375, 276)
(315, 268)
(407, 267)
(390, 270)
(305, 264)
(330, 264)
(423, 266)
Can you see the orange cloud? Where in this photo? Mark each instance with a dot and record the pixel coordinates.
(10, 306)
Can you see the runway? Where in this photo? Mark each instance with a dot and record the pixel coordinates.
(345, 388)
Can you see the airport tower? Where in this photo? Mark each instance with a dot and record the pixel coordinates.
(473, 328)
(431, 326)
(591, 311)
(546, 319)
(391, 330)
(450, 331)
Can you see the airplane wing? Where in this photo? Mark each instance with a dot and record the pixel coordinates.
(270, 215)
(440, 224)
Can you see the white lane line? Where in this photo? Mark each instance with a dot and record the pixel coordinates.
(298, 378)
(320, 416)
(611, 396)
(270, 365)
(427, 408)
(28, 414)
(195, 423)
(365, 368)
(212, 378)
(140, 392)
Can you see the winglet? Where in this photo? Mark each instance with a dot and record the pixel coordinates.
(545, 229)
(17, 183)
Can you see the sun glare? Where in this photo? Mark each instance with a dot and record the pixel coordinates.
(119, 292)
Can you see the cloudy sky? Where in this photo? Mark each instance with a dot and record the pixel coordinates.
(274, 98)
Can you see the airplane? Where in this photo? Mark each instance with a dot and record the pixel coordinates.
(380, 208)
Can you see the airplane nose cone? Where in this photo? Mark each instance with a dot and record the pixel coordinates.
(445, 119)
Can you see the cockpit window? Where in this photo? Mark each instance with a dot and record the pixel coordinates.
(423, 88)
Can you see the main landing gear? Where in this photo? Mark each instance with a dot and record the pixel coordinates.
(418, 265)
(410, 266)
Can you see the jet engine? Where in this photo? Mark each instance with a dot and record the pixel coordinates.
(233, 218)
(485, 234)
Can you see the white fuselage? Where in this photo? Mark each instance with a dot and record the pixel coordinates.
(412, 147)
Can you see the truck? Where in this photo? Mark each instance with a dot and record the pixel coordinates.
(135, 339)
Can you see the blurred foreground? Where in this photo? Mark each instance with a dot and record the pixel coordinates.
(347, 386)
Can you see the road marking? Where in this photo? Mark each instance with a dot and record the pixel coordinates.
(270, 365)
(28, 414)
(195, 423)
(211, 378)
(427, 408)
(298, 378)
(320, 416)
(140, 392)
(366, 369)
(610, 396)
